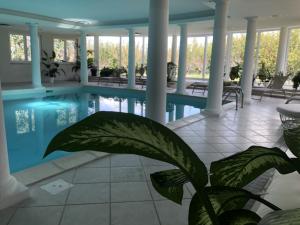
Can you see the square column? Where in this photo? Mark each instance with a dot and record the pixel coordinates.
(157, 60)
(215, 88)
(35, 55)
(83, 59)
(182, 60)
(131, 59)
(11, 191)
(247, 77)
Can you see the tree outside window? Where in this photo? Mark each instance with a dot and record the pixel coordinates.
(65, 50)
(20, 47)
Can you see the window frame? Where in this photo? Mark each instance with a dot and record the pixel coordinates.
(65, 49)
(26, 60)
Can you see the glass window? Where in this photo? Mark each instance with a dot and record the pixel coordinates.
(195, 56)
(70, 50)
(20, 47)
(65, 50)
(124, 51)
(238, 48)
(269, 42)
(294, 51)
(59, 49)
(109, 51)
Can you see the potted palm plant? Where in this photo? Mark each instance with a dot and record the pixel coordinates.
(51, 67)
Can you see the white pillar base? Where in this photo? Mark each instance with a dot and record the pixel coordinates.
(213, 112)
(184, 92)
(12, 192)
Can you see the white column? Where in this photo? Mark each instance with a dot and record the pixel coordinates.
(96, 51)
(120, 52)
(174, 49)
(143, 51)
(35, 55)
(131, 105)
(247, 77)
(215, 89)
(157, 60)
(228, 55)
(11, 191)
(131, 59)
(282, 50)
(204, 58)
(257, 53)
(83, 59)
(182, 59)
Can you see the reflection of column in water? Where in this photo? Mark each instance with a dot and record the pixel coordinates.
(171, 116)
(179, 112)
(131, 105)
(142, 108)
(83, 105)
(120, 105)
(37, 123)
(170, 110)
(97, 103)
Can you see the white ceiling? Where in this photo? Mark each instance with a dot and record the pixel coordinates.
(112, 16)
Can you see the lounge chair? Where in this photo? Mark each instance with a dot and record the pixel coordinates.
(275, 86)
(290, 113)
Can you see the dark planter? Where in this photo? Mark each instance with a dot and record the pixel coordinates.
(94, 72)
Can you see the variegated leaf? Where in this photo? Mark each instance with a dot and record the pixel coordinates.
(242, 168)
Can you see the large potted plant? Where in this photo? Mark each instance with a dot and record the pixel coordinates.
(235, 72)
(296, 80)
(90, 62)
(51, 67)
(264, 75)
(220, 203)
(171, 71)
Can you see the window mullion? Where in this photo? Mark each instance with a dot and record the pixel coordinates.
(65, 50)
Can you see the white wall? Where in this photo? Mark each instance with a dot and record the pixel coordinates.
(12, 72)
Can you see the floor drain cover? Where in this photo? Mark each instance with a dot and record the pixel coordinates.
(57, 187)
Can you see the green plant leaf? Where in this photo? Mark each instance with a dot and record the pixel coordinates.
(285, 217)
(223, 199)
(239, 217)
(123, 133)
(292, 140)
(53, 55)
(242, 168)
(169, 184)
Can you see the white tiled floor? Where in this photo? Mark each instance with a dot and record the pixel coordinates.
(116, 190)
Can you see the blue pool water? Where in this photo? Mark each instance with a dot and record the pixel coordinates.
(32, 123)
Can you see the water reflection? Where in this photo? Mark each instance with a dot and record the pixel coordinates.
(32, 123)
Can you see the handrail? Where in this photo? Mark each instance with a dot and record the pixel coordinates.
(293, 98)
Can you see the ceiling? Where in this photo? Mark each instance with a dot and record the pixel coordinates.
(112, 17)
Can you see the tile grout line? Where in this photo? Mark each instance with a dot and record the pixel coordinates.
(65, 205)
(153, 200)
(11, 217)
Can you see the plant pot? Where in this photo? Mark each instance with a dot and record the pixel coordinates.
(94, 72)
